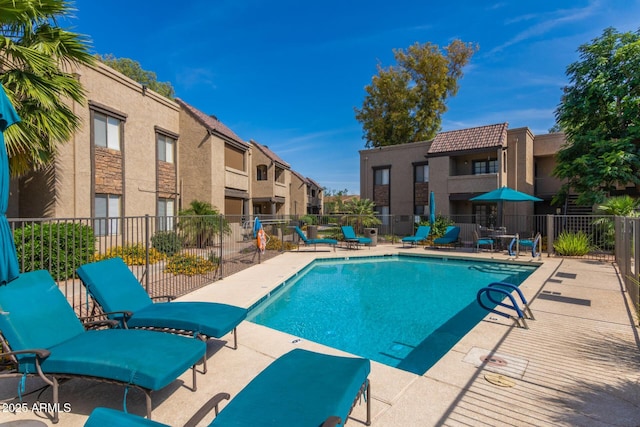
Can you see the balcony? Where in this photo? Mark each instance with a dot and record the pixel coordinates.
(472, 183)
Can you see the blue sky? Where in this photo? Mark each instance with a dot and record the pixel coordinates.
(288, 74)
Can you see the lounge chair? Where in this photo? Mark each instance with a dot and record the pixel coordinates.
(117, 290)
(300, 388)
(44, 337)
(482, 241)
(315, 242)
(450, 237)
(420, 236)
(352, 240)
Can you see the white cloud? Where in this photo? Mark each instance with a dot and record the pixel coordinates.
(558, 18)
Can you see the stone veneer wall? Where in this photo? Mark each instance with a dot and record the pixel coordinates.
(108, 171)
(166, 179)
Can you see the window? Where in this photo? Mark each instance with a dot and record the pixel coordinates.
(422, 173)
(106, 131)
(279, 175)
(485, 166)
(383, 212)
(381, 177)
(420, 210)
(107, 212)
(166, 148)
(166, 214)
(261, 173)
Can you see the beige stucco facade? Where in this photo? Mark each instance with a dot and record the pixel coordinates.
(523, 162)
(270, 189)
(166, 155)
(218, 162)
(67, 189)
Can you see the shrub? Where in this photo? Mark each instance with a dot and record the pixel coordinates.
(572, 244)
(189, 265)
(59, 248)
(277, 245)
(132, 254)
(167, 242)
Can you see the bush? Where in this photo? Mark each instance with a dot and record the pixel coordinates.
(132, 254)
(572, 244)
(189, 265)
(167, 242)
(59, 248)
(277, 245)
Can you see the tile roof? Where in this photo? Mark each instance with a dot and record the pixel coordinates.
(270, 154)
(300, 177)
(211, 122)
(470, 139)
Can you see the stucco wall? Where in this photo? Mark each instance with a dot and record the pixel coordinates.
(144, 110)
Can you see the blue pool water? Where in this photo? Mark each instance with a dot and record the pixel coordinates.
(403, 311)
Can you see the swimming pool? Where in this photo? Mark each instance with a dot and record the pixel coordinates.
(403, 311)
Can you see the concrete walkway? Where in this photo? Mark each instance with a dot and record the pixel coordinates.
(578, 364)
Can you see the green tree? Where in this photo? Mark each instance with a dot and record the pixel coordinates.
(37, 59)
(333, 200)
(200, 223)
(360, 213)
(600, 115)
(133, 70)
(404, 103)
(614, 206)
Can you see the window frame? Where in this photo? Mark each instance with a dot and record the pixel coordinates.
(262, 173)
(108, 225)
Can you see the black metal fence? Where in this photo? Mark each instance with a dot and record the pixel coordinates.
(627, 256)
(176, 255)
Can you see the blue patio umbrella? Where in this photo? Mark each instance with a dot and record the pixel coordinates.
(432, 208)
(504, 194)
(9, 269)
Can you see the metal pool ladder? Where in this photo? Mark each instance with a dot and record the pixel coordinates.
(504, 290)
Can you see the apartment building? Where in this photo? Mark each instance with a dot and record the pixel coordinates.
(270, 185)
(121, 162)
(218, 163)
(138, 153)
(457, 166)
(306, 195)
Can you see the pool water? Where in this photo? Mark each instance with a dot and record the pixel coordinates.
(403, 311)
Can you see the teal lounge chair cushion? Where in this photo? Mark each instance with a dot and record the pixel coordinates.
(115, 288)
(102, 417)
(350, 236)
(308, 242)
(421, 235)
(34, 314)
(451, 235)
(300, 388)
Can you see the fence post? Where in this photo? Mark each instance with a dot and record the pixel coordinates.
(220, 260)
(550, 233)
(146, 250)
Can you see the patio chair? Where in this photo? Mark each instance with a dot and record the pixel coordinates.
(117, 290)
(352, 240)
(300, 388)
(315, 242)
(482, 241)
(532, 243)
(420, 236)
(450, 237)
(42, 336)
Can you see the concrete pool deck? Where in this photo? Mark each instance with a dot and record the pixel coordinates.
(578, 364)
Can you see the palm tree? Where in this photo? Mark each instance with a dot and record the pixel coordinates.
(364, 212)
(615, 206)
(36, 61)
(200, 223)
